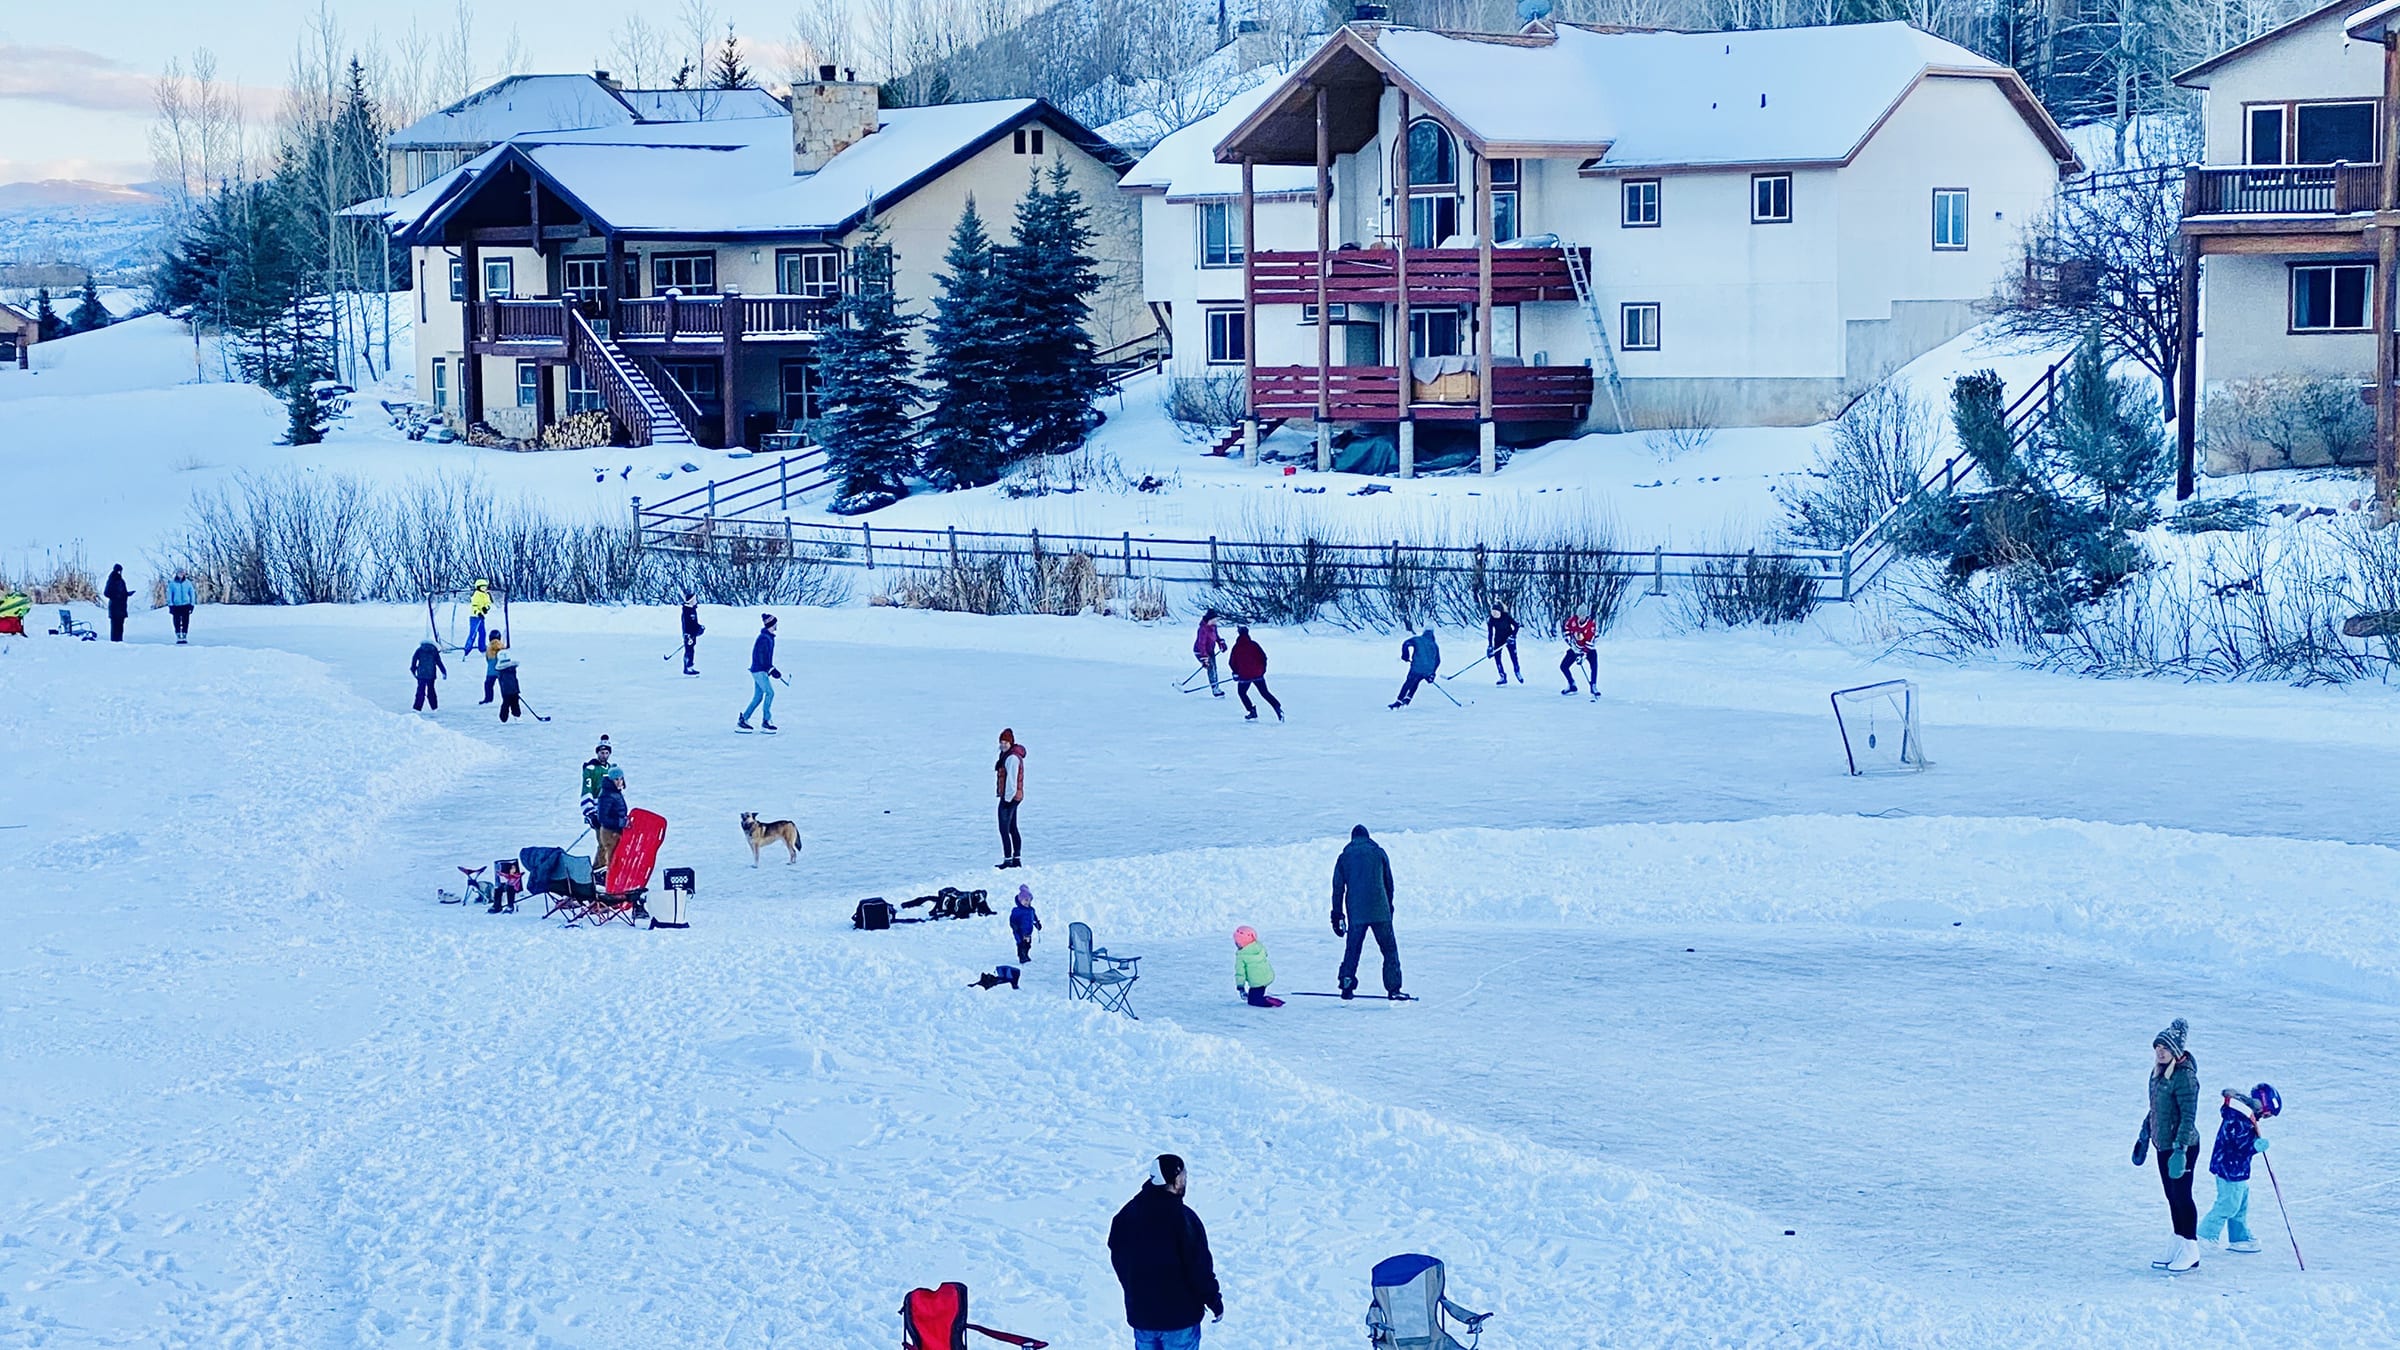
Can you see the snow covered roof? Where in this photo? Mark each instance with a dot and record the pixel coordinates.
(1185, 168)
(1641, 99)
(2194, 76)
(525, 104)
(734, 177)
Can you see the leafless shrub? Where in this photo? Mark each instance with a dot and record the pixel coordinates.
(2283, 422)
(1040, 582)
(1754, 589)
(59, 578)
(1203, 406)
(1875, 459)
(1687, 424)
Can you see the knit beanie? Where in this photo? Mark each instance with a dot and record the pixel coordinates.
(1024, 895)
(2172, 1037)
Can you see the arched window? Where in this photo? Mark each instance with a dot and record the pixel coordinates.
(1433, 198)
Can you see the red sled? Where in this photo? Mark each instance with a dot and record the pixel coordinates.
(936, 1319)
(627, 881)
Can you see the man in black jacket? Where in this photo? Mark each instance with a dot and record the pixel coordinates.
(1161, 1254)
(120, 599)
(691, 631)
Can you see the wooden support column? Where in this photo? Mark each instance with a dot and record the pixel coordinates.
(2187, 366)
(1324, 262)
(616, 281)
(729, 304)
(1249, 313)
(1403, 339)
(2387, 396)
(545, 399)
(1489, 461)
(470, 322)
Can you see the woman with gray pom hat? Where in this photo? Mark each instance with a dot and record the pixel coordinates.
(2173, 1128)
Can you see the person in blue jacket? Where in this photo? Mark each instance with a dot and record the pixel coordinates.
(1424, 658)
(609, 814)
(181, 596)
(2238, 1141)
(1023, 923)
(763, 675)
(425, 665)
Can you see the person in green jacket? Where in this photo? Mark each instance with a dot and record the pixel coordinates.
(2173, 1128)
(1251, 971)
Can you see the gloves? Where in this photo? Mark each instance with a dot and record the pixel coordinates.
(2141, 1147)
(2262, 1143)
(2175, 1164)
(1340, 929)
(1217, 1306)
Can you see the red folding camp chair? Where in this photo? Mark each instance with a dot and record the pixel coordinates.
(936, 1319)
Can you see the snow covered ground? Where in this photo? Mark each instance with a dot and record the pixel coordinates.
(1717, 1046)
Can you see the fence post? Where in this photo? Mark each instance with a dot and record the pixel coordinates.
(783, 482)
(1212, 561)
(712, 501)
(953, 548)
(1482, 582)
(866, 531)
(787, 538)
(1658, 570)
(1847, 555)
(637, 524)
(1129, 555)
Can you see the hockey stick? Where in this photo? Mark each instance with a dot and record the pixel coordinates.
(1436, 686)
(2287, 1214)
(1370, 998)
(1470, 665)
(1184, 686)
(529, 712)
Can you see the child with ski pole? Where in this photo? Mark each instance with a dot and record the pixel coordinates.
(2238, 1140)
(1023, 923)
(1252, 973)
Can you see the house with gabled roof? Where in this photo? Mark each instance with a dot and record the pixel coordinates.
(19, 331)
(519, 105)
(677, 275)
(1576, 228)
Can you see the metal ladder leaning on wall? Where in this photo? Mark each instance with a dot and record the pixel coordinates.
(1597, 328)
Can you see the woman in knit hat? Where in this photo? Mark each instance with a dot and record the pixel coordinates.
(2173, 1128)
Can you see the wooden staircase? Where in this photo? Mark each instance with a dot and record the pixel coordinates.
(1232, 440)
(630, 396)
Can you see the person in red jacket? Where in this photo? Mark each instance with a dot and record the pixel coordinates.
(1250, 672)
(1583, 636)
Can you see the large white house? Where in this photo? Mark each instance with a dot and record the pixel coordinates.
(520, 105)
(678, 274)
(1745, 226)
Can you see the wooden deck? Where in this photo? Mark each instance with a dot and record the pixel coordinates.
(1436, 276)
(677, 324)
(1373, 394)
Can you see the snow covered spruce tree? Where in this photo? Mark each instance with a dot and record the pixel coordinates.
(1047, 278)
(306, 418)
(90, 315)
(866, 384)
(48, 327)
(968, 364)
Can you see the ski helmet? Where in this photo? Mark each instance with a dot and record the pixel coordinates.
(2270, 1102)
(1244, 936)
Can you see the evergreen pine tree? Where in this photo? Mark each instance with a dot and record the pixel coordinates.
(729, 71)
(1047, 278)
(968, 366)
(306, 424)
(47, 325)
(866, 385)
(89, 314)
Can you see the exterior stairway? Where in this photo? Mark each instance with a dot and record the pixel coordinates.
(632, 399)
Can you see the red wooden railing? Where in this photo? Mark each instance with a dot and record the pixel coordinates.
(1373, 394)
(1445, 276)
(2280, 190)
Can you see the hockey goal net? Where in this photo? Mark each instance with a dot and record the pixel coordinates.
(1880, 732)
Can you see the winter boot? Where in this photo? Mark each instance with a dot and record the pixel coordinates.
(2246, 1246)
(2187, 1257)
(1252, 716)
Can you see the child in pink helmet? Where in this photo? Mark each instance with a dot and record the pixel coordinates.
(1251, 971)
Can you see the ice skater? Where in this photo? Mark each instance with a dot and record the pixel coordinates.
(493, 646)
(478, 605)
(120, 599)
(505, 670)
(691, 632)
(1362, 904)
(2238, 1140)
(1583, 639)
(1023, 923)
(1205, 646)
(1249, 663)
(1252, 972)
(426, 665)
(1008, 780)
(181, 596)
(763, 675)
(2172, 1127)
(1424, 657)
(1499, 639)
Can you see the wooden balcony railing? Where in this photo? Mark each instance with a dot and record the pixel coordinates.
(525, 321)
(785, 315)
(2280, 190)
(1374, 394)
(1436, 276)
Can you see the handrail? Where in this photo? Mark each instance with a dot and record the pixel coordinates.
(671, 393)
(600, 361)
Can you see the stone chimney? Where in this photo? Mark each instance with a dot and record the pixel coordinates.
(606, 82)
(830, 114)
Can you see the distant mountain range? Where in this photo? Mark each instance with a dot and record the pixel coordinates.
(77, 192)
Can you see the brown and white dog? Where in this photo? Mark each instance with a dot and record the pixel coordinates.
(761, 833)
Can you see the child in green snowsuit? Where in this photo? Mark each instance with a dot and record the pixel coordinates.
(1251, 972)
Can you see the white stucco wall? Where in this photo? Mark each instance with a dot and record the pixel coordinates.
(2313, 60)
(2245, 311)
(1172, 275)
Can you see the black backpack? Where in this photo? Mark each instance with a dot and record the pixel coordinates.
(873, 914)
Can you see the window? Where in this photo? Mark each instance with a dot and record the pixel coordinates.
(1431, 219)
(583, 392)
(1336, 312)
(1641, 204)
(529, 384)
(8, 348)
(499, 278)
(441, 385)
(1432, 155)
(1228, 337)
(698, 380)
(1950, 219)
(688, 273)
(458, 278)
(1029, 140)
(813, 272)
(799, 393)
(1436, 332)
(2266, 134)
(587, 279)
(1637, 327)
(1504, 331)
(2331, 297)
(1220, 235)
(1770, 198)
(1504, 215)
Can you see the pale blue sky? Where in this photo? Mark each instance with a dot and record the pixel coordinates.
(76, 75)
